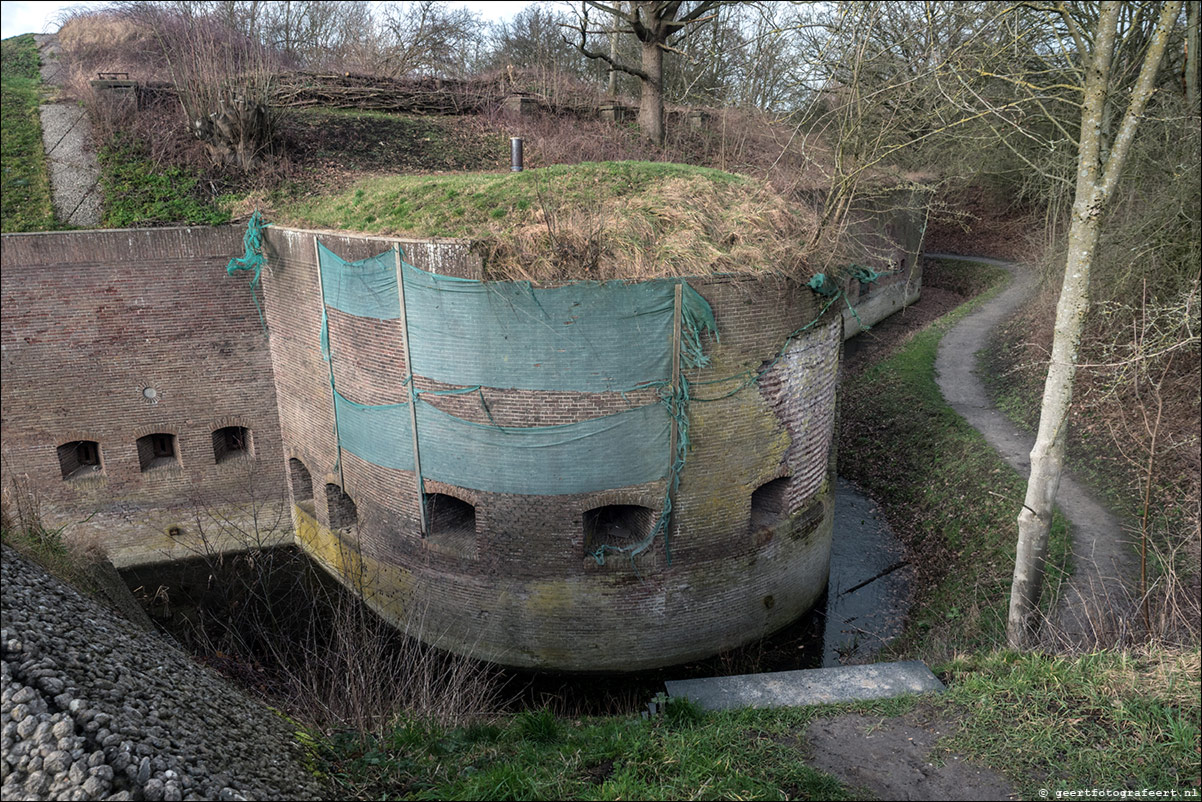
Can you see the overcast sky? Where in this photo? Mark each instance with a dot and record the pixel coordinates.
(19, 17)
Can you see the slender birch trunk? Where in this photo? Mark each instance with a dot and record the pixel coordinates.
(1095, 187)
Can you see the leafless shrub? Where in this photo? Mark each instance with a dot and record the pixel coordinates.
(21, 510)
(221, 77)
(68, 550)
(270, 618)
(1108, 615)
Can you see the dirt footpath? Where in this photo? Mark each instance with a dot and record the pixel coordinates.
(895, 758)
(1096, 596)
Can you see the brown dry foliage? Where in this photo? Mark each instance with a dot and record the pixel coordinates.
(684, 227)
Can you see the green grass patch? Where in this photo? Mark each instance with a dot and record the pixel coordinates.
(25, 202)
(139, 192)
(1111, 720)
(463, 205)
(589, 220)
(536, 755)
(945, 490)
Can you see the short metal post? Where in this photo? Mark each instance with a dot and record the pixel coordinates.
(515, 154)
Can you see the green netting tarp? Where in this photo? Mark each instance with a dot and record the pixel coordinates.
(366, 288)
(582, 337)
(625, 448)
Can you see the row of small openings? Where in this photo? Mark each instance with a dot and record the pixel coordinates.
(343, 514)
(81, 458)
(625, 524)
(451, 518)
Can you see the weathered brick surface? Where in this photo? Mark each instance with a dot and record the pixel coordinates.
(90, 320)
(526, 591)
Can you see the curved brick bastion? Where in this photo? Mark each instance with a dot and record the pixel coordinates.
(556, 554)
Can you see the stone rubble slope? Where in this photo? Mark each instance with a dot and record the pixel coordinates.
(92, 707)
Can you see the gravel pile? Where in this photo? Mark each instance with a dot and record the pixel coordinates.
(92, 707)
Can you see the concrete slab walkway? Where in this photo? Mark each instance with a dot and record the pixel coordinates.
(67, 140)
(1096, 596)
(816, 686)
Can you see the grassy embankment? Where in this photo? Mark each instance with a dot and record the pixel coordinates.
(600, 220)
(1112, 720)
(139, 191)
(948, 494)
(1109, 720)
(25, 182)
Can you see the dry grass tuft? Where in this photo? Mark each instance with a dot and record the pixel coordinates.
(609, 220)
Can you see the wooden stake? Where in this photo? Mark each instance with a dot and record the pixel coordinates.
(417, 462)
(321, 289)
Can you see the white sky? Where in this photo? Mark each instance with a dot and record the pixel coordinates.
(18, 17)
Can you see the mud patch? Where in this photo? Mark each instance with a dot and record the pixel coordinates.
(598, 773)
(896, 759)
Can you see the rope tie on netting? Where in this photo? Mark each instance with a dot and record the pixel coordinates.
(677, 402)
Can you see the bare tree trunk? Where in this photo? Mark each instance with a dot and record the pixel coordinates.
(1095, 187)
(612, 88)
(1047, 457)
(651, 99)
(1191, 57)
(653, 24)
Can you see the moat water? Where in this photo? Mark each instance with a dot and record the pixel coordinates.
(863, 608)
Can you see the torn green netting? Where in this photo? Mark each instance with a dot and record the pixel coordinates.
(584, 336)
(252, 259)
(823, 285)
(618, 450)
(866, 275)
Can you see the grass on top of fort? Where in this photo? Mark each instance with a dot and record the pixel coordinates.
(602, 220)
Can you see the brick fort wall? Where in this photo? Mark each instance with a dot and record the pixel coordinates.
(120, 336)
(511, 579)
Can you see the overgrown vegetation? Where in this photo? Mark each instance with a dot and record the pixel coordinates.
(684, 753)
(1115, 720)
(1112, 719)
(25, 203)
(23, 527)
(141, 192)
(607, 220)
(947, 493)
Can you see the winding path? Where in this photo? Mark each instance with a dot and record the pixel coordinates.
(1095, 599)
